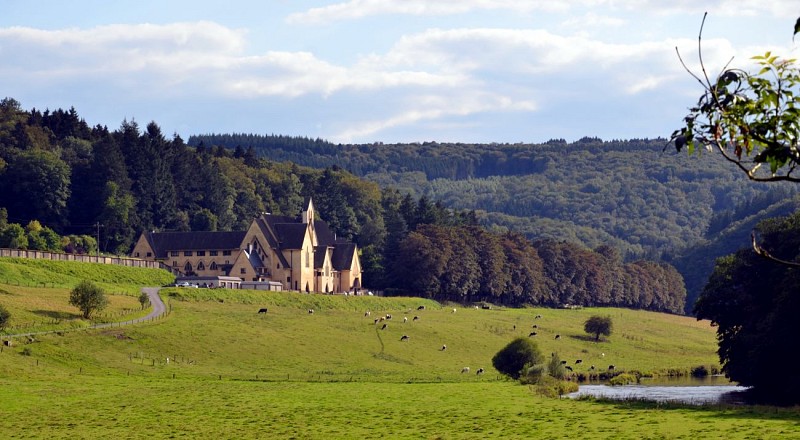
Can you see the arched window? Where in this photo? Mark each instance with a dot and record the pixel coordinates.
(187, 267)
(308, 258)
(201, 266)
(213, 265)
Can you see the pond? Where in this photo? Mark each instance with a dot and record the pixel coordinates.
(710, 390)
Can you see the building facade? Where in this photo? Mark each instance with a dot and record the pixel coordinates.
(301, 253)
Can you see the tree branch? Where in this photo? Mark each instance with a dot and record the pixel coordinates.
(763, 252)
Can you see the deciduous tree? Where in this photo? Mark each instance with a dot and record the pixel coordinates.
(88, 298)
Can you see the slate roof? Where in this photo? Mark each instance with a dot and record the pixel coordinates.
(163, 242)
(290, 235)
(343, 255)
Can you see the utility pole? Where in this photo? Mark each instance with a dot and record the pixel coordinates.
(98, 226)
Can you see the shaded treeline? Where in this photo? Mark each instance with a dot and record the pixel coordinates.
(77, 179)
(630, 194)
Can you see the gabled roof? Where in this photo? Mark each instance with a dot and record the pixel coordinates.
(290, 235)
(343, 255)
(319, 256)
(324, 235)
(163, 242)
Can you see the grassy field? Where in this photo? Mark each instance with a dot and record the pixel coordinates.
(214, 368)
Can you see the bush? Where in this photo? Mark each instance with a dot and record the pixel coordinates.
(533, 374)
(26, 351)
(5, 316)
(552, 387)
(555, 368)
(516, 356)
(700, 371)
(623, 379)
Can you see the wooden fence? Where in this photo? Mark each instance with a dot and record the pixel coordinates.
(101, 259)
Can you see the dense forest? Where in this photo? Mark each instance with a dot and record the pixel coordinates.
(645, 201)
(61, 176)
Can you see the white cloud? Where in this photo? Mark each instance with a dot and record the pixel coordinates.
(359, 9)
(356, 9)
(422, 108)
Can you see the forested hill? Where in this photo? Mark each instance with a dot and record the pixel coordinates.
(64, 182)
(633, 195)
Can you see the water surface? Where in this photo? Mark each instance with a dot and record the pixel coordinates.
(683, 390)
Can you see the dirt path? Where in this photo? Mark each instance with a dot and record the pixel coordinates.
(159, 309)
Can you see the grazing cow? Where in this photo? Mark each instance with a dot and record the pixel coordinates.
(563, 362)
(310, 311)
(592, 367)
(480, 371)
(579, 361)
(454, 310)
(465, 370)
(416, 318)
(558, 336)
(405, 318)
(515, 326)
(537, 317)
(388, 316)
(404, 338)
(567, 367)
(377, 320)
(367, 313)
(444, 347)
(421, 308)
(262, 310)
(531, 334)
(611, 367)
(602, 355)
(384, 326)
(535, 326)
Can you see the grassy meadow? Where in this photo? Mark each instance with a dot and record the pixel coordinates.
(214, 368)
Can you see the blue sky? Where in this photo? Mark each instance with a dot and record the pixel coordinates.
(366, 71)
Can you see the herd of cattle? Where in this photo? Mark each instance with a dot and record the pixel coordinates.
(404, 338)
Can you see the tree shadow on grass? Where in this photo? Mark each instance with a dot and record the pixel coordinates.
(52, 314)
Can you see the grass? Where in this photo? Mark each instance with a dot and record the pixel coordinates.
(117, 407)
(233, 373)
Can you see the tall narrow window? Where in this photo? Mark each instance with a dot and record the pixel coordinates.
(201, 266)
(308, 258)
(213, 265)
(187, 267)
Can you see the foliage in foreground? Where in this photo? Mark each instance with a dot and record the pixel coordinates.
(755, 304)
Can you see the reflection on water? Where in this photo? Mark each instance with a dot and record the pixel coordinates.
(683, 390)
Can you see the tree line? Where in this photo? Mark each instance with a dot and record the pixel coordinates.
(79, 180)
(630, 194)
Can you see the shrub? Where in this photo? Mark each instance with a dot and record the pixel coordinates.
(555, 368)
(533, 374)
(26, 351)
(623, 379)
(517, 355)
(700, 371)
(552, 387)
(5, 316)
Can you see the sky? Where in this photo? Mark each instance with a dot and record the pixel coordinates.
(364, 71)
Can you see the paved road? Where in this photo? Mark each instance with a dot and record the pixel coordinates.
(159, 309)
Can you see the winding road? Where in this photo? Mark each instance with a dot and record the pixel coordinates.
(159, 309)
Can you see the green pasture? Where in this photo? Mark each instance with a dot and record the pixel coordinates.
(215, 368)
(138, 408)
